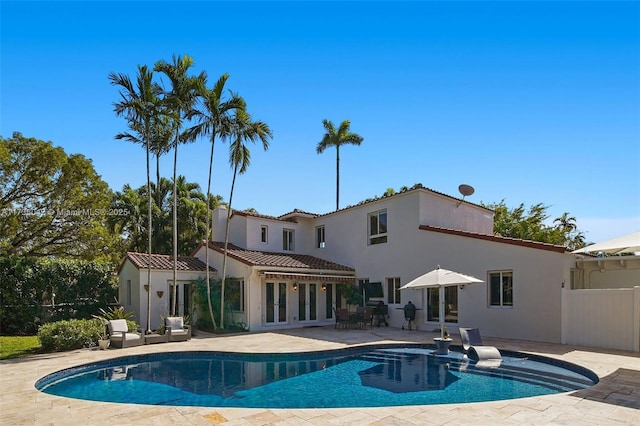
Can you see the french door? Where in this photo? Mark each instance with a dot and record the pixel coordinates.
(307, 302)
(276, 303)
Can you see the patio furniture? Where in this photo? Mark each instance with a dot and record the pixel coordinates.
(365, 317)
(473, 347)
(120, 336)
(362, 317)
(342, 317)
(176, 329)
(150, 339)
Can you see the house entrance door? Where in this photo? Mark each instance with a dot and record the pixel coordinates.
(307, 302)
(276, 303)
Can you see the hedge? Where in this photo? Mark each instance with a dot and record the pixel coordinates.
(28, 286)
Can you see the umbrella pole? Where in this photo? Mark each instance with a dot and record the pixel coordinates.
(441, 311)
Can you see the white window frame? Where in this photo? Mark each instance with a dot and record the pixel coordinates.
(320, 239)
(378, 237)
(501, 303)
(288, 239)
(394, 297)
(264, 234)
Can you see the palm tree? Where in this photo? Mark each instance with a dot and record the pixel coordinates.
(180, 100)
(337, 138)
(139, 105)
(192, 208)
(213, 120)
(244, 130)
(132, 225)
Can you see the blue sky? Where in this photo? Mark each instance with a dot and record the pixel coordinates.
(528, 102)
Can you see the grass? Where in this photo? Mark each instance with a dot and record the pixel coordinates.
(18, 346)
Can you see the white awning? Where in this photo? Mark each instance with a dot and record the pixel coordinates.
(625, 244)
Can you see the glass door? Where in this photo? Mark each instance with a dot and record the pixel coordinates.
(307, 302)
(276, 303)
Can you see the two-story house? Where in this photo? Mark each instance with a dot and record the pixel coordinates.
(292, 268)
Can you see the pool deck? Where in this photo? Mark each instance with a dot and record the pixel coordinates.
(615, 400)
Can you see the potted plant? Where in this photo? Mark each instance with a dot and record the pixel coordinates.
(103, 340)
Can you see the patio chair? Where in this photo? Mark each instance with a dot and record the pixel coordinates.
(176, 329)
(342, 317)
(364, 316)
(120, 336)
(473, 347)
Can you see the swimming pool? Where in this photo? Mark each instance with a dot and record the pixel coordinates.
(369, 376)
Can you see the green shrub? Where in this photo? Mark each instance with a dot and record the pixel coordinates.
(37, 291)
(71, 334)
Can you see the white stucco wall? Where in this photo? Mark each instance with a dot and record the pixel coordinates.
(129, 272)
(538, 275)
(440, 210)
(160, 281)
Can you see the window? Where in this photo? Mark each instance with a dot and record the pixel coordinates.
(378, 227)
(287, 239)
(234, 293)
(264, 231)
(320, 243)
(128, 292)
(393, 290)
(501, 288)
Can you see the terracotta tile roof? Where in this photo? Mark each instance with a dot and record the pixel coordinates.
(165, 262)
(495, 238)
(279, 260)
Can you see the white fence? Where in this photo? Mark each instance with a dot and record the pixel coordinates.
(602, 318)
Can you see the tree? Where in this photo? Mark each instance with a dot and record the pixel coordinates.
(52, 204)
(191, 216)
(140, 106)
(574, 239)
(214, 120)
(530, 225)
(180, 100)
(243, 130)
(337, 138)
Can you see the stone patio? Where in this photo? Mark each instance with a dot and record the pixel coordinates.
(613, 401)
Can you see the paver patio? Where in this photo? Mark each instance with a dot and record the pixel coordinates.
(614, 400)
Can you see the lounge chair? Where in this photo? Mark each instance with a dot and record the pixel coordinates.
(473, 347)
(121, 337)
(176, 329)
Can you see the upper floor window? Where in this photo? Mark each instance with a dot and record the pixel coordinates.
(264, 231)
(393, 290)
(320, 242)
(501, 288)
(287, 239)
(378, 227)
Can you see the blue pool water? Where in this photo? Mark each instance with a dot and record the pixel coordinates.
(365, 377)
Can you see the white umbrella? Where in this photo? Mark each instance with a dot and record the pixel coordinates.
(440, 278)
(624, 244)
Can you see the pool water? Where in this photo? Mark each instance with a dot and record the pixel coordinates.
(365, 377)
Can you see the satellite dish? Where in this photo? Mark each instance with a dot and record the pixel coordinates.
(465, 190)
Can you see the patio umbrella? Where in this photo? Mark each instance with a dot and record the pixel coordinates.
(440, 278)
(624, 244)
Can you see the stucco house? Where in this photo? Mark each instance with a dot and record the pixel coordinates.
(291, 270)
(132, 287)
(291, 265)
